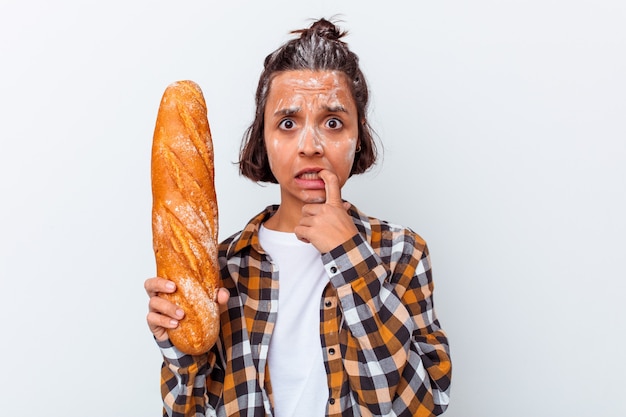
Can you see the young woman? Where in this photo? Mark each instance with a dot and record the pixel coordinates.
(326, 311)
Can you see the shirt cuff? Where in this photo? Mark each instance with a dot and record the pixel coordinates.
(174, 356)
(351, 260)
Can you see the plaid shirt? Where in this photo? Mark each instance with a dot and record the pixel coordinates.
(383, 349)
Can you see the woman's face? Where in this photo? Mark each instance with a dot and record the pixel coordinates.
(311, 124)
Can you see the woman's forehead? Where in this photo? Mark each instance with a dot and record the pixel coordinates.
(303, 84)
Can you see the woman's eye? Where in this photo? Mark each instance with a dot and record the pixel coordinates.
(286, 124)
(334, 123)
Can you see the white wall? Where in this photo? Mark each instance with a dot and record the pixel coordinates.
(505, 136)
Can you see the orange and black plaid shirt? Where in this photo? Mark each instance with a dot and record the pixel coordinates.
(383, 349)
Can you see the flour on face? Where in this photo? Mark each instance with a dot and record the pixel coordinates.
(311, 124)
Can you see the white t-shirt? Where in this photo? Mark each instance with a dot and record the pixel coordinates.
(296, 365)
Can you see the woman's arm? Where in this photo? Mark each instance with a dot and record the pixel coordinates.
(397, 357)
(183, 381)
(183, 377)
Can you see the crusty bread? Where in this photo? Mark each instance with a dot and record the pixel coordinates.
(184, 214)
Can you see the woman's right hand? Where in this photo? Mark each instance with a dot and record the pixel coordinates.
(162, 313)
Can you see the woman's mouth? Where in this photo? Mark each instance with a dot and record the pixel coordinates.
(309, 175)
(310, 180)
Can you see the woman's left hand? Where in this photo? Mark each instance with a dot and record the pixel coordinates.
(326, 225)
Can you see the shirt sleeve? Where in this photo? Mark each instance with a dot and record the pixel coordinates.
(396, 355)
(183, 382)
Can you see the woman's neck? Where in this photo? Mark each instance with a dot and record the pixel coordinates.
(285, 219)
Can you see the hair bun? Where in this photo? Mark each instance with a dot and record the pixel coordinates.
(324, 29)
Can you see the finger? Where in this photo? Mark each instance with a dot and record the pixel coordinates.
(301, 232)
(155, 285)
(333, 190)
(165, 307)
(160, 334)
(309, 210)
(156, 320)
(223, 295)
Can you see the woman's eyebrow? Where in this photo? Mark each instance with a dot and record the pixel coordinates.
(338, 108)
(289, 111)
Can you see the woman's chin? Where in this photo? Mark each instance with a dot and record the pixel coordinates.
(315, 197)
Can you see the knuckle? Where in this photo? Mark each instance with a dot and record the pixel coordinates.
(153, 320)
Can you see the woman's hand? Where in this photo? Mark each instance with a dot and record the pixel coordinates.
(163, 314)
(326, 225)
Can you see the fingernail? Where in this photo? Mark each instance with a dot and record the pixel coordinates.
(180, 313)
(170, 286)
(174, 323)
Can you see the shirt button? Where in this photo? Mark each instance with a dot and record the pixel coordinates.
(328, 303)
(333, 269)
(331, 351)
(331, 401)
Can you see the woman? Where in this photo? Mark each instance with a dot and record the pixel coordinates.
(326, 311)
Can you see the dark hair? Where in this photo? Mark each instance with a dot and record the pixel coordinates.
(318, 48)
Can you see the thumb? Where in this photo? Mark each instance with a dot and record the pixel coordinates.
(333, 190)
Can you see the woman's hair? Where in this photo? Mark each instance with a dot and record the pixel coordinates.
(318, 48)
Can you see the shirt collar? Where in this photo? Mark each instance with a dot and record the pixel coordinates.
(249, 236)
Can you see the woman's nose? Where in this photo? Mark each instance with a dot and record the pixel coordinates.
(310, 142)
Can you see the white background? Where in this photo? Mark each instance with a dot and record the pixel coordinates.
(504, 130)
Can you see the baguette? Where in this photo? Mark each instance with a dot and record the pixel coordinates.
(184, 214)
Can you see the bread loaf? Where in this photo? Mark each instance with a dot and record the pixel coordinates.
(184, 214)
